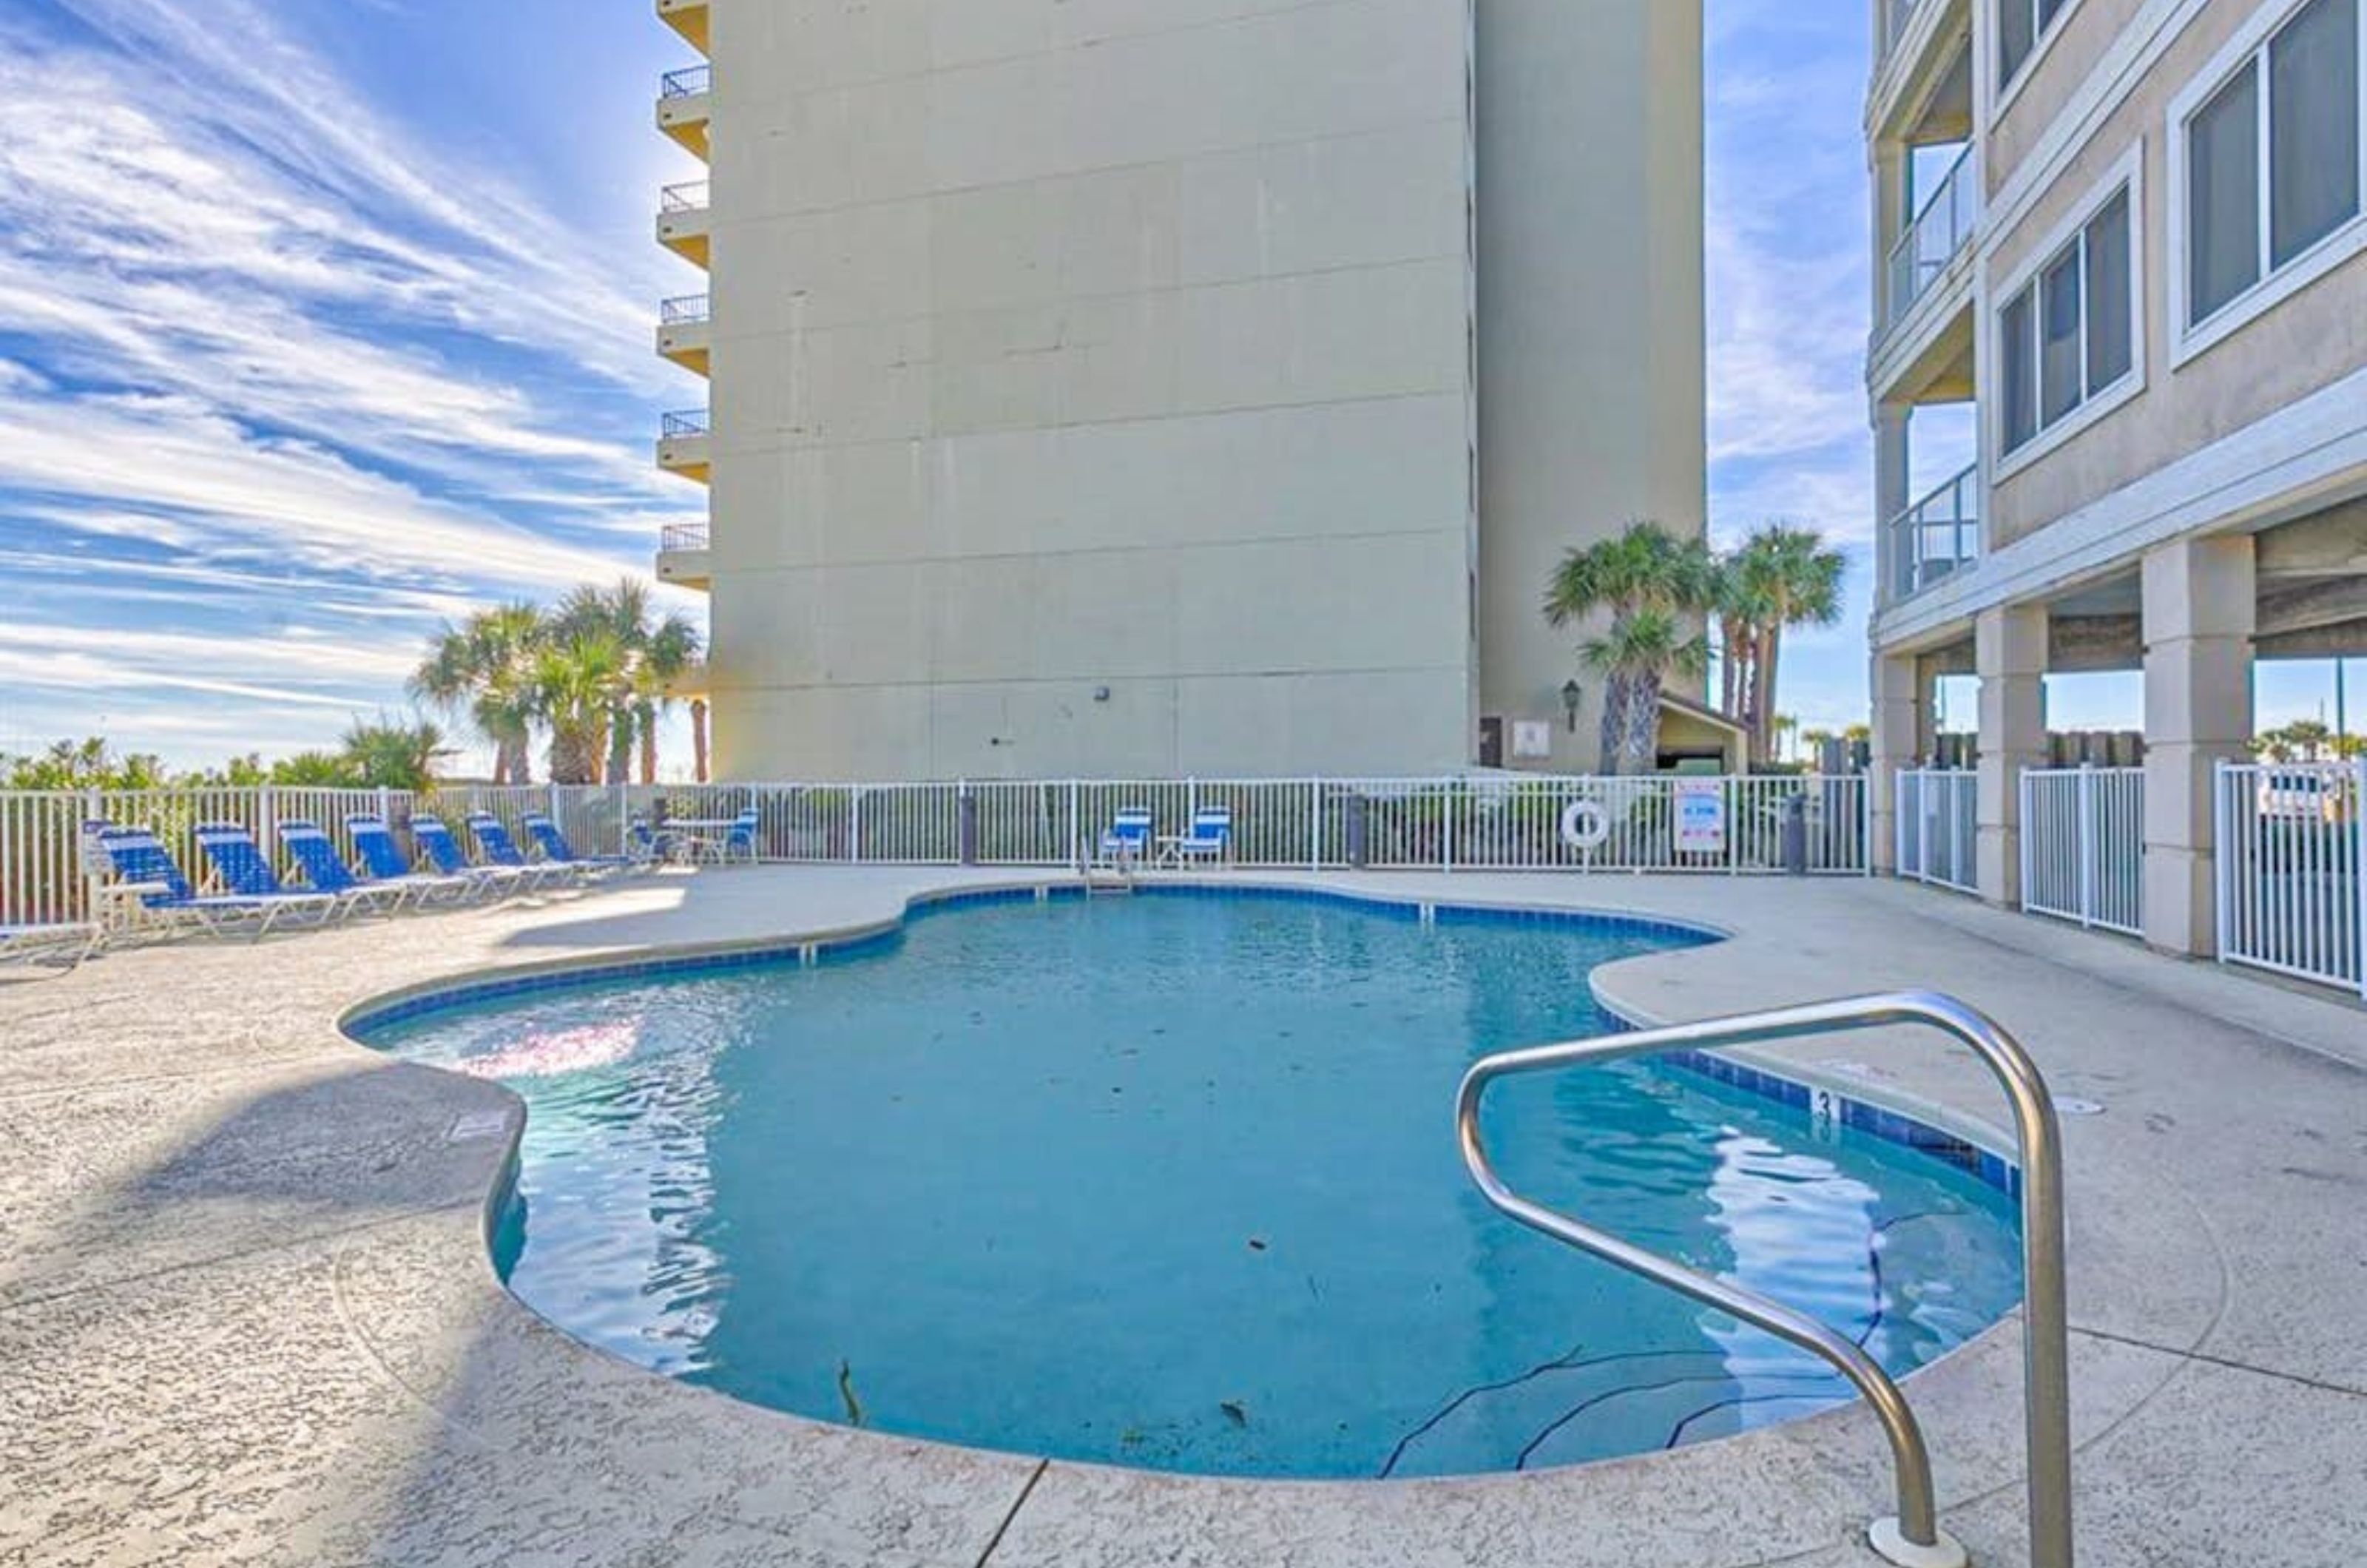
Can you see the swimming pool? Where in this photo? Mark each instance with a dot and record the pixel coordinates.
(1170, 1182)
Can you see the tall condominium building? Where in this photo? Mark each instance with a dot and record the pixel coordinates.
(1117, 387)
(2129, 234)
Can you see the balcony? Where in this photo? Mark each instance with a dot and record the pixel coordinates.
(695, 683)
(685, 221)
(1940, 232)
(686, 444)
(685, 104)
(1936, 538)
(686, 328)
(682, 557)
(687, 18)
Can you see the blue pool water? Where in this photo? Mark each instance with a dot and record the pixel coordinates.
(1170, 1182)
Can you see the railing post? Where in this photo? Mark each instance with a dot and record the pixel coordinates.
(2223, 863)
(2359, 871)
(854, 826)
(1315, 824)
(2090, 844)
(266, 823)
(1446, 832)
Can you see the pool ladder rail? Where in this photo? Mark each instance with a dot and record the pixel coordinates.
(1912, 1537)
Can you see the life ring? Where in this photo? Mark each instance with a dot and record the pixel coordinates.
(1585, 825)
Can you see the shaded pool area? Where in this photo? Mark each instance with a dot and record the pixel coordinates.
(1169, 1182)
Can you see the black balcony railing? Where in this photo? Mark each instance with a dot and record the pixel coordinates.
(690, 198)
(688, 423)
(689, 309)
(683, 537)
(687, 83)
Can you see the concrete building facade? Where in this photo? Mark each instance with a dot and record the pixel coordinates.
(2130, 234)
(1204, 386)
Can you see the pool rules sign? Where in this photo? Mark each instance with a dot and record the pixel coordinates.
(1701, 817)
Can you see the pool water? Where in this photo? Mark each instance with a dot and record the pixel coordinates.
(1170, 1182)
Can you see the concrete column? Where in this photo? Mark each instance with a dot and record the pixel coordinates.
(2009, 656)
(2201, 601)
(1893, 456)
(1900, 699)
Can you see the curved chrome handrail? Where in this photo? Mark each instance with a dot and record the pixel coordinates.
(1914, 1538)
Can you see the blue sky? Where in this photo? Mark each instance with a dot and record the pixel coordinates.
(323, 320)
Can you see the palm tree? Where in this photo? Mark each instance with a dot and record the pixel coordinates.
(482, 668)
(1651, 583)
(655, 649)
(1639, 655)
(1783, 576)
(388, 754)
(581, 678)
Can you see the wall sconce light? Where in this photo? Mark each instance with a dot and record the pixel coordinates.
(1571, 693)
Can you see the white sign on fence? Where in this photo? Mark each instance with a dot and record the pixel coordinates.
(1701, 817)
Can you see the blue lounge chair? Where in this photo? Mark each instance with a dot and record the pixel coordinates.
(67, 942)
(1211, 837)
(326, 871)
(1126, 840)
(497, 849)
(246, 872)
(383, 861)
(140, 864)
(557, 850)
(445, 854)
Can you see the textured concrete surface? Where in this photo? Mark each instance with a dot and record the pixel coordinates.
(247, 1313)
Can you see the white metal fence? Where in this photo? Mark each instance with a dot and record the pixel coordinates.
(2293, 869)
(1719, 826)
(1938, 828)
(2083, 846)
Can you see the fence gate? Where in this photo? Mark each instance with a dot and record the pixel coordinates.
(2083, 846)
(2293, 869)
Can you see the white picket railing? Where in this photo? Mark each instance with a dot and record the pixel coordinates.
(2293, 869)
(1937, 834)
(1729, 826)
(2083, 846)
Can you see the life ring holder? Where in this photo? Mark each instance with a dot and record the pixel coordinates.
(1585, 825)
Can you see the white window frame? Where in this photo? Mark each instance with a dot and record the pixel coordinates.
(2129, 173)
(2009, 87)
(2247, 51)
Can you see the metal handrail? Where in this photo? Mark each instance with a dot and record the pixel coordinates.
(685, 309)
(1936, 233)
(689, 421)
(687, 83)
(1937, 535)
(683, 537)
(690, 197)
(1913, 1538)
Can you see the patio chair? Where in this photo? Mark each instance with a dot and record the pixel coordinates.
(66, 942)
(247, 873)
(142, 871)
(383, 861)
(556, 850)
(739, 842)
(448, 859)
(1126, 841)
(1211, 838)
(326, 871)
(650, 845)
(496, 848)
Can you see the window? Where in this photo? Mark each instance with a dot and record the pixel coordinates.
(2272, 158)
(2069, 335)
(2021, 24)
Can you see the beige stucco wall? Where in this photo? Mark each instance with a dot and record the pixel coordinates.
(2295, 349)
(1089, 388)
(1591, 405)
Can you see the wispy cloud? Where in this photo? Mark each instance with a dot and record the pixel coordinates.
(273, 357)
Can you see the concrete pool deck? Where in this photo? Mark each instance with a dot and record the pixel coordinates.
(247, 1313)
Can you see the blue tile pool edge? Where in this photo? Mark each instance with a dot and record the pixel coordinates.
(1823, 1104)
